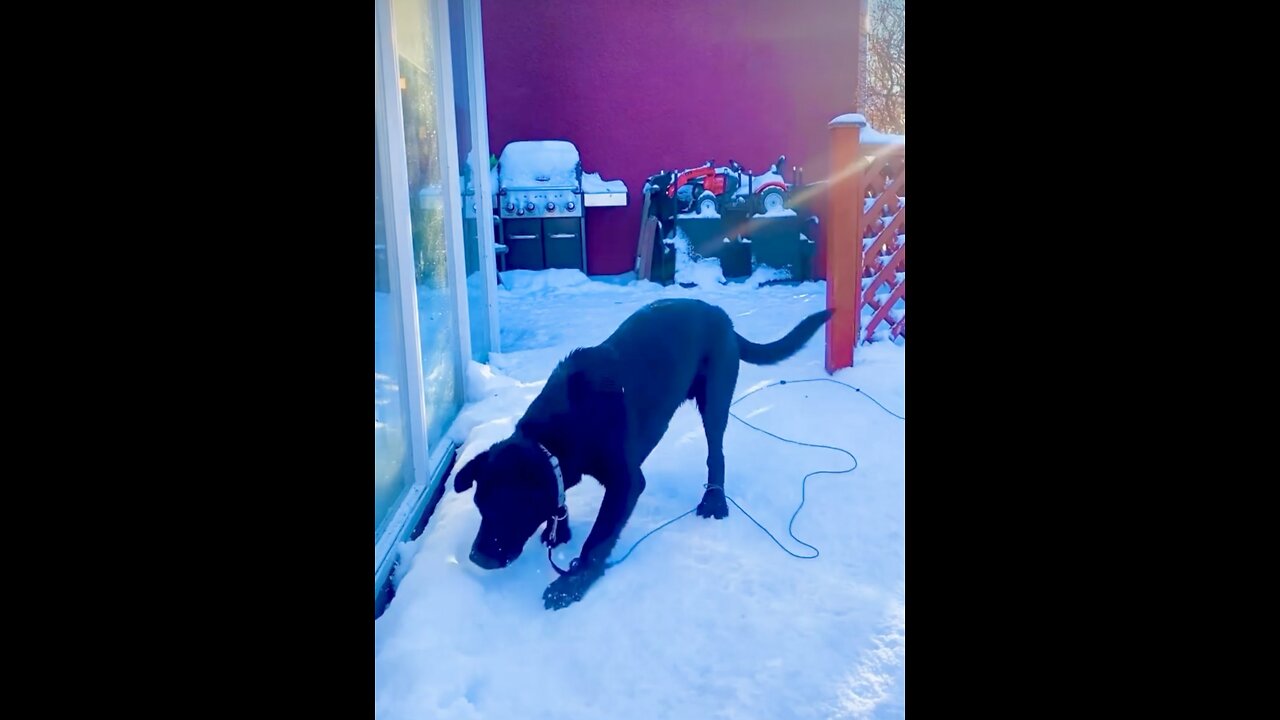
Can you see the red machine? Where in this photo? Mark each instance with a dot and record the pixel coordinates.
(709, 189)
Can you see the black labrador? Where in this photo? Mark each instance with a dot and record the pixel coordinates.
(601, 413)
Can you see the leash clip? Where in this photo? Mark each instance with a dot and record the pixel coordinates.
(555, 522)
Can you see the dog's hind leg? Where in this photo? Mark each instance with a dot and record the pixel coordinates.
(713, 395)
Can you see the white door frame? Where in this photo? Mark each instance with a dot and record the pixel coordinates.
(395, 176)
(451, 180)
(480, 140)
(427, 462)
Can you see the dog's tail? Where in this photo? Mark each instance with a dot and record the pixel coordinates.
(780, 350)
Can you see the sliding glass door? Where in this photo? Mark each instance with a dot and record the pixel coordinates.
(392, 462)
(433, 260)
(416, 26)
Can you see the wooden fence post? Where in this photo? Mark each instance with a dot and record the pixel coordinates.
(844, 239)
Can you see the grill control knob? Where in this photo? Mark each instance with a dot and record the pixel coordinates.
(520, 211)
(529, 207)
(569, 206)
(551, 207)
(511, 207)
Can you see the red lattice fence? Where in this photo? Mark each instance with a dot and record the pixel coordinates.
(867, 200)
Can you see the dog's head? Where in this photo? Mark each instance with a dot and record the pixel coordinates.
(515, 493)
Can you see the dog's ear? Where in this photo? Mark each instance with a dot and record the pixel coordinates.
(463, 479)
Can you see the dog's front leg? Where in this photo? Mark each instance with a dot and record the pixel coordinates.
(620, 498)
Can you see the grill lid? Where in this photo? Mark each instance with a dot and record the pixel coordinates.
(540, 164)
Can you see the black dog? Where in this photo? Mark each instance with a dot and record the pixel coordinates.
(601, 413)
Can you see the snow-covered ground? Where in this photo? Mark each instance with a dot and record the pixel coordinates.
(706, 619)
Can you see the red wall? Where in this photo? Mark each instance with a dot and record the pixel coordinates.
(645, 85)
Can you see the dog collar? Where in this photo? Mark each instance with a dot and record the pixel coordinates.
(555, 465)
(561, 513)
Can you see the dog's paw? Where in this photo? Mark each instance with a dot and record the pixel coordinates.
(562, 534)
(713, 504)
(569, 589)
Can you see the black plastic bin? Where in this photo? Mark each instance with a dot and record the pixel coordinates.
(776, 242)
(707, 238)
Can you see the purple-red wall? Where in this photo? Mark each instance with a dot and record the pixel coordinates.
(645, 85)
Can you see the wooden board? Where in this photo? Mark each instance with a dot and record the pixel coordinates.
(648, 230)
(644, 245)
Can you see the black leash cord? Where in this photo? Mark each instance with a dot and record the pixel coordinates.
(803, 483)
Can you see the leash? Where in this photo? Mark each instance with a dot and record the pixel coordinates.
(803, 483)
(559, 570)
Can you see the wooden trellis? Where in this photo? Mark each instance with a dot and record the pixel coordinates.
(884, 244)
(867, 200)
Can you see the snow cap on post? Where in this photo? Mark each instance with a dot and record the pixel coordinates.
(849, 119)
(868, 134)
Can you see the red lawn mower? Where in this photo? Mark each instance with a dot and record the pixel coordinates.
(709, 190)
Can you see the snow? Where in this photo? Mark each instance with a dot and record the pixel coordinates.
(763, 274)
(849, 119)
(524, 161)
(525, 282)
(870, 136)
(757, 181)
(591, 183)
(780, 212)
(867, 135)
(694, 269)
(706, 618)
(703, 272)
(709, 214)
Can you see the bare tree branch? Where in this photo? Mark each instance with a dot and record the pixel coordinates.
(884, 103)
